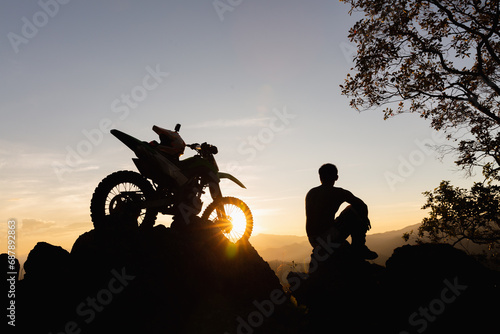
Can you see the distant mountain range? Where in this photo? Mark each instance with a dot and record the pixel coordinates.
(289, 248)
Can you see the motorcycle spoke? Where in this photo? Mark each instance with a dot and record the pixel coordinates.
(237, 218)
(117, 190)
(234, 236)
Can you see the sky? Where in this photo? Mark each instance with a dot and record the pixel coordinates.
(257, 78)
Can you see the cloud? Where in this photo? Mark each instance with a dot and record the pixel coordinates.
(40, 229)
(16, 157)
(86, 169)
(70, 230)
(35, 225)
(236, 123)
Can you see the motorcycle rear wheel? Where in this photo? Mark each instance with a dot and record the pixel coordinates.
(238, 223)
(120, 195)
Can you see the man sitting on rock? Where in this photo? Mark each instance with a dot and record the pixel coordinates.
(323, 202)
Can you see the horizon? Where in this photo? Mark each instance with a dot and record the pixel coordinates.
(261, 82)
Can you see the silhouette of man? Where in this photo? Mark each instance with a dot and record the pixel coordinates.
(322, 204)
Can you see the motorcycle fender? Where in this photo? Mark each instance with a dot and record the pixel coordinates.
(232, 178)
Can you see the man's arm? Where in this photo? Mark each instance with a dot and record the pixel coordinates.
(357, 204)
(310, 216)
(311, 210)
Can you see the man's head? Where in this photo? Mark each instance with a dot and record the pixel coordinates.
(328, 174)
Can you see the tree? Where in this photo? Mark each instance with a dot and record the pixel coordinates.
(437, 58)
(457, 214)
(441, 60)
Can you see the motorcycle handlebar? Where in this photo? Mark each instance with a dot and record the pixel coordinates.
(203, 147)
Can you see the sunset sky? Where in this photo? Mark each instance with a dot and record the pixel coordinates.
(259, 79)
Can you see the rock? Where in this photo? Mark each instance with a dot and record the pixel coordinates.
(43, 295)
(45, 261)
(191, 279)
(339, 290)
(438, 288)
(431, 287)
(159, 280)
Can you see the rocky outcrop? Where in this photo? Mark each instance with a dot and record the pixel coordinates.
(431, 288)
(191, 279)
(159, 280)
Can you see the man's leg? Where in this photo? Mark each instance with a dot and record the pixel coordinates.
(350, 222)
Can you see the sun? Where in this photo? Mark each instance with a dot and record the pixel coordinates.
(238, 221)
(232, 216)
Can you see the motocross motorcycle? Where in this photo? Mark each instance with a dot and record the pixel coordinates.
(170, 186)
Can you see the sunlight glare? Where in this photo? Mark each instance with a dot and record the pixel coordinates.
(238, 220)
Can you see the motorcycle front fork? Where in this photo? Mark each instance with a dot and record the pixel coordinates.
(191, 203)
(216, 194)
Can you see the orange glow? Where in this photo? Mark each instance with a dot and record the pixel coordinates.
(234, 227)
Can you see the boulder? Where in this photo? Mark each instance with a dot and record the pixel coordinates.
(158, 280)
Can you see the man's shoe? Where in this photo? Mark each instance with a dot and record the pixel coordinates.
(365, 253)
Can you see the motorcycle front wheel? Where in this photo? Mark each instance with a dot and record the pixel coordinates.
(232, 216)
(121, 195)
